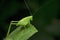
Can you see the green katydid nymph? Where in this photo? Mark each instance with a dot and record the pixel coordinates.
(23, 22)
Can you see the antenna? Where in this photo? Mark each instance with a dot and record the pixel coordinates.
(30, 10)
(28, 7)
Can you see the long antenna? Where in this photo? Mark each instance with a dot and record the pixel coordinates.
(36, 11)
(30, 10)
(28, 7)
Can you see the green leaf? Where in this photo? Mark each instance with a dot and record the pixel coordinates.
(22, 34)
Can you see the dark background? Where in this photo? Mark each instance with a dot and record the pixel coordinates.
(46, 19)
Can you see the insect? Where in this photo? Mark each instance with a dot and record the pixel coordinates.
(23, 22)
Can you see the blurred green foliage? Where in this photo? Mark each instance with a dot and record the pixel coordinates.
(48, 10)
